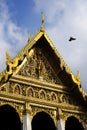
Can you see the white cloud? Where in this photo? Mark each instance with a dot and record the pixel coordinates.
(65, 19)
(12, 37)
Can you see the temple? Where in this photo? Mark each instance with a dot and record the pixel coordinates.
(38, 91)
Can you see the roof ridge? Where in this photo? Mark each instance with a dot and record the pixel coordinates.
(28, 42)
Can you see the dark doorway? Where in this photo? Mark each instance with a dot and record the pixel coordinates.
(9, 118)
(43, 121)
(73, 123)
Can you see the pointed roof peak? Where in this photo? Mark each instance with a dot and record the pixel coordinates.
(42, 25)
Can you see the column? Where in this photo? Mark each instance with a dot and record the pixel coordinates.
(61, 122)
(26, 122)
(86, 127)
(26, 117)
(61, 125)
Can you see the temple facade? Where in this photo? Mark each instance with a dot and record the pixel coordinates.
(38, 91)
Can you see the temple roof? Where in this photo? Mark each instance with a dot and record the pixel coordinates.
(42, 40)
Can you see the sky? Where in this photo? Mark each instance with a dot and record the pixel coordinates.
(63, 18)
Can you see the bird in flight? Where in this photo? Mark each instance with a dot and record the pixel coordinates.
(71, 39)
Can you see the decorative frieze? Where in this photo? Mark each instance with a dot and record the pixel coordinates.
(37, 66)
(37, 92)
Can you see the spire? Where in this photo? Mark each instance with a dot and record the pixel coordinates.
(42, 18)
(42, 26)
(28, 36)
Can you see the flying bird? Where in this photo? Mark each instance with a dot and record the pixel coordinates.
(71, 39)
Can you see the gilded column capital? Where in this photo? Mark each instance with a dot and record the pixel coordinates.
(60, 113)
(27, 108)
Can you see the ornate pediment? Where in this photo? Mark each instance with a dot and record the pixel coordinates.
(37, 66)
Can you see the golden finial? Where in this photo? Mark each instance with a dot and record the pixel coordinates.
(42, 26)
(8, 59)
(42, 18)
(28, 36)
(78, 76)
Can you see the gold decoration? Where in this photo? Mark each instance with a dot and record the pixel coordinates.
(38, 67)
(53, 97)
(29, 37)
(11, 65)
(76, 79)
(8, 59)
(16, 106)
(34, 85)
(30, 92)
(49, 111)
(42, 26)
(42, 94)
(78, 76)
(27, 108)
(77, 116)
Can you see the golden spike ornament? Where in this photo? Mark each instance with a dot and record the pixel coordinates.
(42, 26)
(29, 37)
(42, 18)
(78, 76)
(8, 58)
(76, 79)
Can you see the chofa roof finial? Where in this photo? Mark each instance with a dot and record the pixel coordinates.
(8, 58)
(42, 26)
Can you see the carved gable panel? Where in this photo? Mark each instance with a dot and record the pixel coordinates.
(38, 67)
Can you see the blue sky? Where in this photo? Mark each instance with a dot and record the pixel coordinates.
(63, 18)
(23, 13)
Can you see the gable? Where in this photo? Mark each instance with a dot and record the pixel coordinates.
(38, 66)
(53, 69)
(40, 60)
